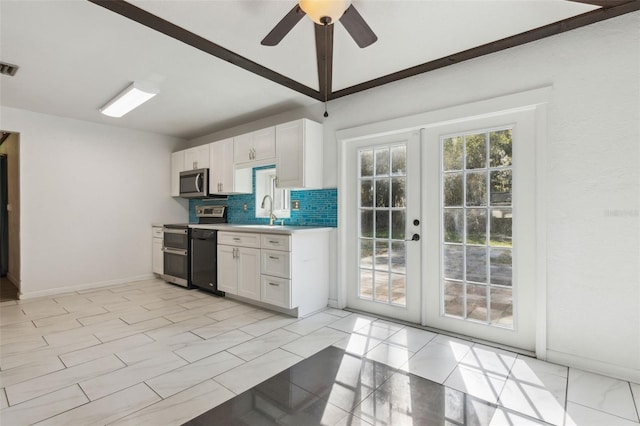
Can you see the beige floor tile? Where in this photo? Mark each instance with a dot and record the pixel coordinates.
(263, 344)
(412, 339)
(268, 324)
(315, 341)
(393, 356)
(311, 323)
(200, 303)
(247, 375)
(224, 326)
(337, 312)
(30, 371)
(42, 385)
(195, 312)
(352, 323)
(3, 399)
(107, 409)
(230, 310)
(98, 351)
(173, 343)
(203, 348)
(125, 330)
(111, 314)
(135, 317)
(25, 345)
(169, 302)
(107, 384)
(43, 407)
(61, 338)
(178, 328)
(57, 323)
(190, 375)
(180, 407)
(16, 360)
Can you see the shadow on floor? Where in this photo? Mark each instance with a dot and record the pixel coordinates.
(7, 290)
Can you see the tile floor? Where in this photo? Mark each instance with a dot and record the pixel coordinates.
(150, 353)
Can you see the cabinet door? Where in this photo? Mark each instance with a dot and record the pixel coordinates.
(289, 147)
(264, 143)
(177, 166)
(248, 272)
(202, 156)
(216, 166)
(227, 269)
(158, 258)
(226, 177)
(242, 148)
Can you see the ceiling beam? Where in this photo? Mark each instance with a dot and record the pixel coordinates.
(147, 19)
(496, 46)
(324, 54)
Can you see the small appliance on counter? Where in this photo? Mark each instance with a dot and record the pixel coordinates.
(204, 250)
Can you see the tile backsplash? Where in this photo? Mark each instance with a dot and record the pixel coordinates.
(318, 207)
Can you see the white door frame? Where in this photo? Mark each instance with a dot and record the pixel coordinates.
(533, 100)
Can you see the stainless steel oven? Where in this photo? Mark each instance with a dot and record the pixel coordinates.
(175, 248)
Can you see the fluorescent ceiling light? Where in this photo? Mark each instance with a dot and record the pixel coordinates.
(130, 98)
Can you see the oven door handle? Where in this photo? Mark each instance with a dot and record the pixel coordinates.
(174, 231)
(174, 251)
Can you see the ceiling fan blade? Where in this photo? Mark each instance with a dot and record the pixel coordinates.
(324, 54)
(358, 28)
(283, 27)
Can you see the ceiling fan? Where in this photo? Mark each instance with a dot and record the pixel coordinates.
(324, 14)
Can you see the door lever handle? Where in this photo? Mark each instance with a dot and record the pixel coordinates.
(416, 237)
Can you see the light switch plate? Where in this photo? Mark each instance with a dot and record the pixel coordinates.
(295, 205)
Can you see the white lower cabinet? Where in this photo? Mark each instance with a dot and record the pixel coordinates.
(158, 257)
(239, 265)
(289, 271)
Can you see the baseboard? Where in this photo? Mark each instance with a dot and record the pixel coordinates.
(594, 366)
(333, 303)
(69, 289)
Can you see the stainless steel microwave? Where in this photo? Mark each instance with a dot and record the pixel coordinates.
(194, 183)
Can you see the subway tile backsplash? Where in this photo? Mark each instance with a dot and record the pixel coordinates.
(318, 207)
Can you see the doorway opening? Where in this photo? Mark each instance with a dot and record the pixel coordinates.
(9, 216)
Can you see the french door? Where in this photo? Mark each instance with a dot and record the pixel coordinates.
(442, 228)
(384, 226)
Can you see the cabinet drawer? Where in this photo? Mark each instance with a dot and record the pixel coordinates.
(242, 239)
(276, 291)
(276, 263)
(276, 242)
(157, 232)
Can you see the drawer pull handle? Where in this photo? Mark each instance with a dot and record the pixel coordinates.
(274, 242)
(274, 257)
(275, 284)
(236, 239)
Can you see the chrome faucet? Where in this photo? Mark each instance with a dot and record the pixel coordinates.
(272, 217)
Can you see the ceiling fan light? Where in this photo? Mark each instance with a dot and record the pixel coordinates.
(319, 9)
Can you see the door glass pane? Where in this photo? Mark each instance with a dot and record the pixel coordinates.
(454, 298)
(476, 151)
(366, 162)
(366, 193)
(501, 266)
(453, 225)
(398, 224)
(383, 217)
(398, 160)
(382, 255)
(476, 229)
(382, 286)
(366, 253)
(453, 189)
(382, 161)
(382, 192)
(382, 223)
(366, 284)
(452, 154)
(476, 189)
(366, 223)
(500, 187)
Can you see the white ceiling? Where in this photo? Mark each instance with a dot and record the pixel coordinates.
(74, 55)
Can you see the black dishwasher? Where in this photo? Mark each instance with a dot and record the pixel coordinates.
(204, 269)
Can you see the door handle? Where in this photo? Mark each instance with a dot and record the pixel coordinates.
(415, 237)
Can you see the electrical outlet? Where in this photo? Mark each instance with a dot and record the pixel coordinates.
(245, 207)
(295, 205)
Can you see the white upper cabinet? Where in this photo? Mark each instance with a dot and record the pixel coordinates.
(177, 166)
(255, 147)
(196, 157)
(221, 171)
(299, 154)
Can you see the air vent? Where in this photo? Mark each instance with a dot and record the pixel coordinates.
(8, 69)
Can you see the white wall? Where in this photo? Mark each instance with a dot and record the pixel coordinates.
(592, 172)
(89, 194)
